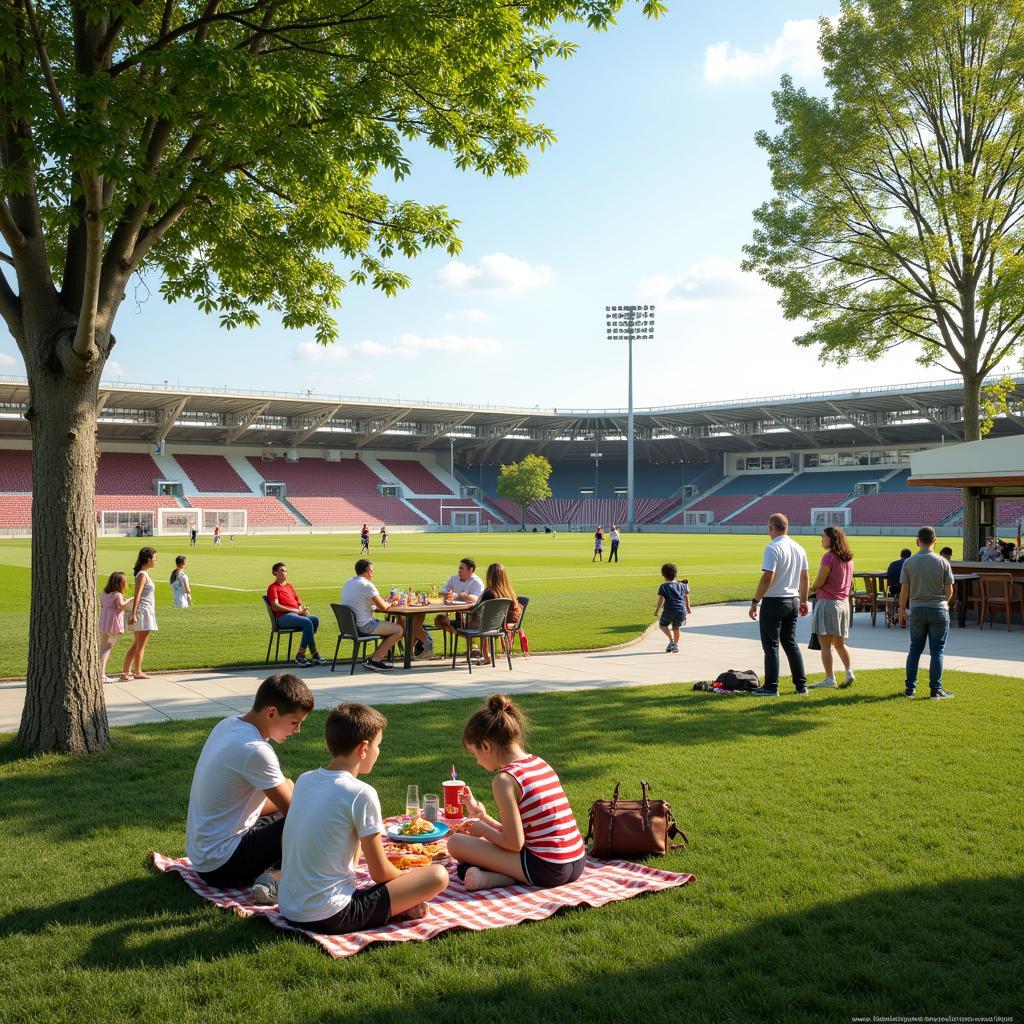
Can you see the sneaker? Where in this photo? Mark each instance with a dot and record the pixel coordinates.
(825, 684)
(318, 659)
(801, 691)
(848, 681)
(910, 693)
(376, 666)
(477, 657)
(674, 648)
(668, 647)
(763, 691)
(421, 651)
(109, 679)
(941, 694)
(303, 661)
(264, 890)
(417, 649)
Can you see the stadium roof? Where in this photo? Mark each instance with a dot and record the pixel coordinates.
(911, 414)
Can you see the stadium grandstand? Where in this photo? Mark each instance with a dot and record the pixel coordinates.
(171, 459)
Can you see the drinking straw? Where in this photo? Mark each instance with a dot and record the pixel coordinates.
(453, 773)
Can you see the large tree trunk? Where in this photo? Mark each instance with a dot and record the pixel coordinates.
(972, 432)
(64, 706)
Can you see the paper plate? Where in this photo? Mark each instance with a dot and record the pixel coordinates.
(439, 832)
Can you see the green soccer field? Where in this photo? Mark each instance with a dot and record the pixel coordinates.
(577, 603)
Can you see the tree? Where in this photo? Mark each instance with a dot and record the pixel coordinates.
(232, 147)
(898, 207)
(525, 481)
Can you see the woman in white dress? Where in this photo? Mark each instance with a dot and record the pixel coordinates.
(142, 619)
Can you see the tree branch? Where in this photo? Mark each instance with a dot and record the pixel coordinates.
(44, 59)
(10, 307)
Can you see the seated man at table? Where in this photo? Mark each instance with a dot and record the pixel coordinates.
(291, 613)
(363, 598)
(991, 552)
(892, 578)
(466, 587)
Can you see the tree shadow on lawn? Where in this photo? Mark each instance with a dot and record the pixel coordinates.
(939, 949)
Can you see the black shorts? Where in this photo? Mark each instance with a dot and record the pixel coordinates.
(368, 908)
(672, 621)
(259, 851)
(545, 874)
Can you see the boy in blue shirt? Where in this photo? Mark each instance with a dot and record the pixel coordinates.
(673, 606)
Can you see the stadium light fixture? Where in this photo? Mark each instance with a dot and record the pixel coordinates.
(629, 324)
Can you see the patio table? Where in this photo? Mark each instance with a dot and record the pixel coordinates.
(409, 611)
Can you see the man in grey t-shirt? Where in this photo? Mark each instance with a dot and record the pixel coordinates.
(926, 583)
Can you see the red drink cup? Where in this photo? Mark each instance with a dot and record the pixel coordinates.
(453, 793)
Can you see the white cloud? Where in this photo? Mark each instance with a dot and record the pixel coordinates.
(6, 360)
(112, 369)
(710, 280)
(414, 344)
(796, 50)
(470, 315)
(496, 272)
(369, 348)
(311, 352)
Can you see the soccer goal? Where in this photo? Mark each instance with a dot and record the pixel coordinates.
(465, 519)
(125, 523)
(177, 522)
(702, 518)
(230, 520)
(822, 517)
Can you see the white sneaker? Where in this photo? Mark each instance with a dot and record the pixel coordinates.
(825, 684)
(848, 681)
(109, 679)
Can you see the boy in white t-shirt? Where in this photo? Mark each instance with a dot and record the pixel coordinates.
(333, 814)
(239, 792)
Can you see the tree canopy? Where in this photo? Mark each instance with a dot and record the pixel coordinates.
(898, 208)
(525, 481)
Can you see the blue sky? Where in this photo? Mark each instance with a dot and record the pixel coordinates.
(646, 197)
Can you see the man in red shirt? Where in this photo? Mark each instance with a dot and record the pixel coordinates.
(291, 613)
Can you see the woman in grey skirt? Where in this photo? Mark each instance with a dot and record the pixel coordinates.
(831, 619)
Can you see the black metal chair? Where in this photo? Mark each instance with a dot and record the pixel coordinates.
(513, 629)
(348, 629)
(278, 631)
(489, 618)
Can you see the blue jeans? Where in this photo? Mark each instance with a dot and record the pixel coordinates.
(931, 625)
(309, 624)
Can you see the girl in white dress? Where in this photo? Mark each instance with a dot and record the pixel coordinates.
(142, 619)
(179, 584)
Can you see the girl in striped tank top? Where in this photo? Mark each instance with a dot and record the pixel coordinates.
(534, 839)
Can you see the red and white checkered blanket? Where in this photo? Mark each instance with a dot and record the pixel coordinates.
(601, 882)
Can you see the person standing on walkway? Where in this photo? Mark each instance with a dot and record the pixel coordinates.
(927, 585)
(613, 555)
(780, 599)
(831, 617)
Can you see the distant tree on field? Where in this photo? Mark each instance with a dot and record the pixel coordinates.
(525, 481)
(898, 213)
(235, 148)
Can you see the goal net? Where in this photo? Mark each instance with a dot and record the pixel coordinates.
(177, 522)
(822, 517)
(464, 519)
(697, 518)
(230, 520)
(125, 523)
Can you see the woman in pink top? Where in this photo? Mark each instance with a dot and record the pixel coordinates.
(112, 606)
(535, 839)
(831, 619)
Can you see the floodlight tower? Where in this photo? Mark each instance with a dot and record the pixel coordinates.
(626, 323)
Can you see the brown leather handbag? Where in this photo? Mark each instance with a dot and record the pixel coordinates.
(632, 828)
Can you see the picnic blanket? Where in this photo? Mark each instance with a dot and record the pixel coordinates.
(601, 882)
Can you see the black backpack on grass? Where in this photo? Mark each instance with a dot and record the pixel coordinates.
(739, 680)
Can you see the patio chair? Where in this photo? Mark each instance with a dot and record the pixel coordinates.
(996, 595)
(348, 629)
(278, 631)
(490, 625)
(513, 629)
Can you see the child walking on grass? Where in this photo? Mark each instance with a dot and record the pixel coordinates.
(112, 606)
(179, 583)
(673, 606)
(534, 839)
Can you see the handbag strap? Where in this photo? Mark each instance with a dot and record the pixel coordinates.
(611, 816)
(645, 805)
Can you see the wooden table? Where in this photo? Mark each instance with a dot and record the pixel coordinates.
(878, 584)
(410, 611)
(961, 589)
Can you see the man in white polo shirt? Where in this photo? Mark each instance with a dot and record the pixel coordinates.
(780, 599)
(362, 597)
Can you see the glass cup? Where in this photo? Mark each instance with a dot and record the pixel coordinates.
(412, 801)
(431, 806)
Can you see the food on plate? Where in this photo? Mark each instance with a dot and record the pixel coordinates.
(405, 861)
(462, 826)
(417, 827)
(431, 851)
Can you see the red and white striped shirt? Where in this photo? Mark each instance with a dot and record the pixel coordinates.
(549, 828)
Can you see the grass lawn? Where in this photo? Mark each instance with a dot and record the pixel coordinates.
(578, 603)
(855, 853)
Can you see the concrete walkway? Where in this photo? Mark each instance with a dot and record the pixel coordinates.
(717, 637)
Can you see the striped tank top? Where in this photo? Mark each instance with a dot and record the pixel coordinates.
(548, 825)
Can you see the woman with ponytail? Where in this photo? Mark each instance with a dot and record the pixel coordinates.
(142, 619)
(534, 839)
(831, 619)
